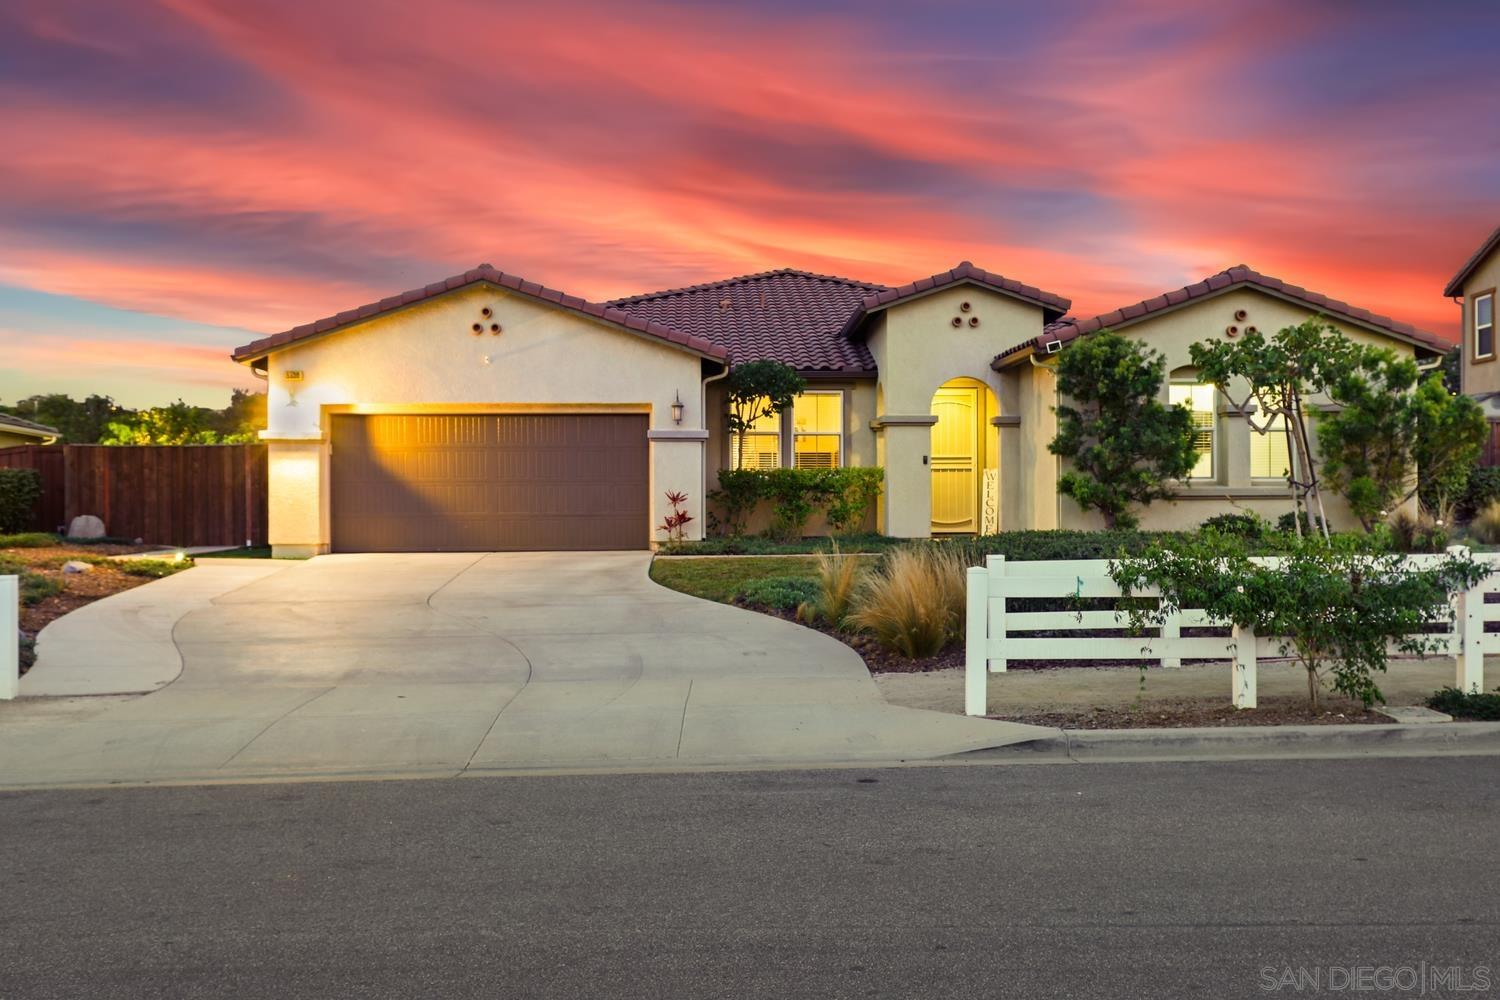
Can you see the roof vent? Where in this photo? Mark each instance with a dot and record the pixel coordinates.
(725, 304)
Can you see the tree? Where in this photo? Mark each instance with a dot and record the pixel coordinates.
(1367, 443)
(1126, 446)
(180, 423)
(1450, 433)
(79, 422)
(755, 390)
(1452, 369)
(1273, 376)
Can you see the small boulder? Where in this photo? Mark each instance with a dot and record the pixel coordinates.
(74, 566)
(86, 526)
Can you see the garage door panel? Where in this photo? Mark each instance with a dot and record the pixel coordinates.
(485, 482)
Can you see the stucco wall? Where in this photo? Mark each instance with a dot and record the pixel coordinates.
(917, 348)
(426, 357)
(1232, 489)
(1484, 376)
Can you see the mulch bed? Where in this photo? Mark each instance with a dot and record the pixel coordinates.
(78, 589)
(879, 659)
(1276, 711)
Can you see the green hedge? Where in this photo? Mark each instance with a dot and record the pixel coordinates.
(843, 495)
(20, 489)
(1467, 705)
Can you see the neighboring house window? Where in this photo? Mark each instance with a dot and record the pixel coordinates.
(818, 430)
(1484, 326)
(762, 445)
(1270, 458)
(1200, 399)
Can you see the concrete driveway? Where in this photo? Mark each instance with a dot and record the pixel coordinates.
(444, 663)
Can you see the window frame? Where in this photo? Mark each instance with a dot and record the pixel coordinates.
(1474, 356)
(1213, 426)
(843, 432)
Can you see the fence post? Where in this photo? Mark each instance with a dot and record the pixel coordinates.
(1242, 672)
(976, 642)
(997, 567)
(10, 637)
(1468, 622)
(1171, 630)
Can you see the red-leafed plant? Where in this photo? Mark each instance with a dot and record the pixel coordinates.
(675, 523)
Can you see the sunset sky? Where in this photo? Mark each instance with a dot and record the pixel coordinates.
(179, 177)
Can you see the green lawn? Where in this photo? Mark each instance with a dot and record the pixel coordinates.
(254, 552)
(720, 579)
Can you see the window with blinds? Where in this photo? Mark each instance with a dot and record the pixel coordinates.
(1199, 399)
(1270, 456)
(762, 445)
(818, 430)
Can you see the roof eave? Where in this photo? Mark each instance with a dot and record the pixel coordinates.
(607, 315)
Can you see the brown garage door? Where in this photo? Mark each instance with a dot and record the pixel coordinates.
(489, 482)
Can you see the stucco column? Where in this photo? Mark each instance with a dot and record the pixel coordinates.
(677, 466)
(908, 473)
(297, 518)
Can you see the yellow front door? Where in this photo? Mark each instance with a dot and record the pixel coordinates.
(955, 460)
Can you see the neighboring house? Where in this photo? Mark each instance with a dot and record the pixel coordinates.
(1473, 288)
(487, 412)
(15, 431)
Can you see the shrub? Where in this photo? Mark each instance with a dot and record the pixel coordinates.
(1336, 605)
(844, 495)
(780, 593)
(1053, 544)
(1416, 532)
(1239, 525)
(913, 601)
(1467, 705)
(739, 492)
(1486, 523)
(1481, 490)
(854, 492)
(154, 568)
(1287, 523)
(794, 493)
(838, 575)
(28, 540)
(20, 489)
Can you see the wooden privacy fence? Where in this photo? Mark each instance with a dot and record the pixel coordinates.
(995, 635)
(199, 494)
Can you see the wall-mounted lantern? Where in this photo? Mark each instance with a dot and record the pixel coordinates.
(677, 408)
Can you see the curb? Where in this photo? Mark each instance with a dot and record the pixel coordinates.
(1256, 741)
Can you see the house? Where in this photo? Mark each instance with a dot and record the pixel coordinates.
(16, 431)
(488, 412)
(1473, 288)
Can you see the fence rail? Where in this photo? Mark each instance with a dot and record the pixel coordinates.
(991, 639)
(168, 494)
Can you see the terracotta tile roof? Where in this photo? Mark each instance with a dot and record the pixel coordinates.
(12, 423)
(1052, 305)
(786, 315)
(1067, 329)
(482, 273)
(1456, 286)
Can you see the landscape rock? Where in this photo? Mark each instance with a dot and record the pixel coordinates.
(74, 566)
(86, 526)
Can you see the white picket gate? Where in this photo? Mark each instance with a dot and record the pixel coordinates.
(10, 644)
(991, 640)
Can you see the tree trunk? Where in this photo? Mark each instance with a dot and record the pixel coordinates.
(1312, 689)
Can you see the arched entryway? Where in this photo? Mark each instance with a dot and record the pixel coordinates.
(963, 447)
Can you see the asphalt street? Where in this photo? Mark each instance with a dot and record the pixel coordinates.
(1121, 880)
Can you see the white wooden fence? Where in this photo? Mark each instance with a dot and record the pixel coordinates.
(10, 637)
(991, 639)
